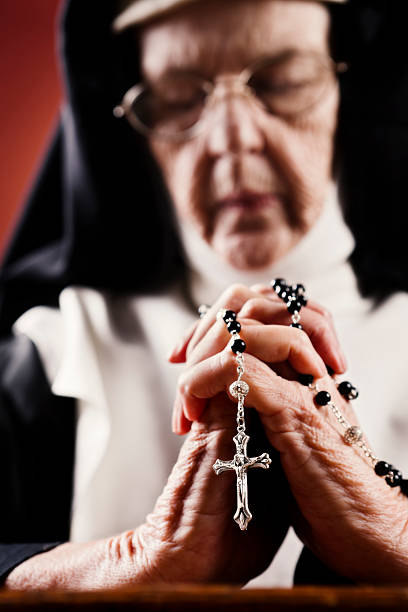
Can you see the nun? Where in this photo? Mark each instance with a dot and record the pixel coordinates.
(206, 148)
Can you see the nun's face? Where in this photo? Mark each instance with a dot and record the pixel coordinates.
(252, 182)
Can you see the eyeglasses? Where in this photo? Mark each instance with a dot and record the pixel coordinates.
(175, 105)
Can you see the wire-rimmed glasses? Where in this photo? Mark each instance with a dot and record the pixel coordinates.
(175, 105)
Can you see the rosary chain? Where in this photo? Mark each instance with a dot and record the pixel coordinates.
(368, 452)
(240, 407)
(295, 298)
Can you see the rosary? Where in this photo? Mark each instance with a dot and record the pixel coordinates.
(294, 298)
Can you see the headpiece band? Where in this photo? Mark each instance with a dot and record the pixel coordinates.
(136, 12)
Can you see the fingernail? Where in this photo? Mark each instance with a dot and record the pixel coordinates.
(192, 408)
(174, 423)
(175, 351)
(341, 364)
(177, 411)
(320, 365)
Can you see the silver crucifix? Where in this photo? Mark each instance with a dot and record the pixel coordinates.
(240, 463)
(239, 389)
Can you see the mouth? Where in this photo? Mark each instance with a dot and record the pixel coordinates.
(247, 201)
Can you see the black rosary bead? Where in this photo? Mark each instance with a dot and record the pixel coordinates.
(286, 296)
(382, 468)
(394, 478)
(229, 315)
(234, 326)
(305, 379)
(344, 388)
(330, 370)
(298, 289)
(302, 300)
(238, 346)
(404, 487)
(279, 285)
(294, 306)
(347, 390)
(297, 325)
(278, 282)
(322, 398)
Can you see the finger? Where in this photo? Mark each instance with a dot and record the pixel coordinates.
(328, 317)
(268, 291)
(264, 290)
(232, 298)
(271, 396)
(320, 329)
(180, 424)
(214, 341)
(207, 378)
(202, 381)
(312, 305)
(178, 353)
(275, 343)
(270, 343)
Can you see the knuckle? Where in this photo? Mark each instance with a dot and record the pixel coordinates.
(260, 288)
(312, 422)
(228, 366)
(327, 314)
(304, 405)
(303, 396)
(226, 361)
(234, 294)
(190, 348)
(321, 329)
(251, 308)
(320, 311)
(299, 338)
(291, 406)
(183, 384)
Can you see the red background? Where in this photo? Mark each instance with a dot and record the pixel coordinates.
(30, 93)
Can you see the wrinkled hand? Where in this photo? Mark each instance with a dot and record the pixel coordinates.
(191, 531)
(345, 513)
(190, 536)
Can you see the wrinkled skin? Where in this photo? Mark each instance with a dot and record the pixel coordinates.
(344, 512)
(347, 515)
(190, 536)
(192, 522)
(241, 147)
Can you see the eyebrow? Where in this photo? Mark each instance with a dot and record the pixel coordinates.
(191, 69)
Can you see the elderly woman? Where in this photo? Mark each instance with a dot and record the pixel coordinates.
(231, 178)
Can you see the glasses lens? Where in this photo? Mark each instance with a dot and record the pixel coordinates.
(292, 85)
(171, 106)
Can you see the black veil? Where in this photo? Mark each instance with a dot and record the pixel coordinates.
(99, 214)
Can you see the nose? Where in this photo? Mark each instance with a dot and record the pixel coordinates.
(232, 125)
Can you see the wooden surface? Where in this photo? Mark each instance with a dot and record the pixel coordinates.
(219, 598)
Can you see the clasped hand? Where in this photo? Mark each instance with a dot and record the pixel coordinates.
(326, 489)
(345, 513)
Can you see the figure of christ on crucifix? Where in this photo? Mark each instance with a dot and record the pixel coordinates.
(240, 463)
